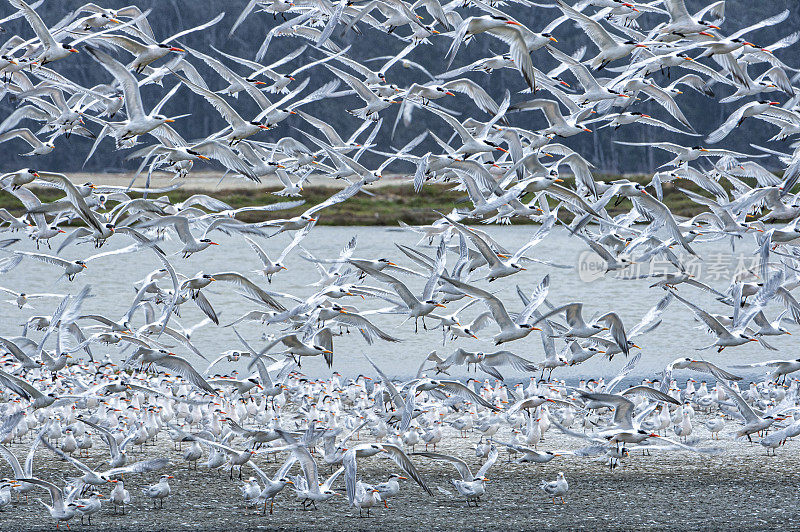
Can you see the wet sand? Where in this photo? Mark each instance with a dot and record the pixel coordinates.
(740, 488)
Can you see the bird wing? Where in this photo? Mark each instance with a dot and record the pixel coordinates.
(459, 390)
(36, 23)
(744, 409)
(357, 85)
(651, 393)
(142, 466)
(18, 353)
(134, 107)
(460, 465)
(480, 97)
(708, 367)
(710, 321)
(56, 261)
(507, 358)
(592, 28)
(56, 495)
(490, 460)
(402, 290)
(368, 329)
(12, 461)
(405, 463)
(249, 287)
(499, 312)
(19, 386)
(183, 368)
(217, 102)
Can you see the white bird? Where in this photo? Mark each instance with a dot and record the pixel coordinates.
(159, 491)
(471, 487)
(510, 330)
(556, 488)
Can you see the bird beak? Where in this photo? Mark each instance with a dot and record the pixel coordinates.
(73, 50)
(474, 336)
(203, 157)
(213, 244)
(259, 83)
(449, 93)
(439, 305)
(641, 46)
(558, 181)
(328, 351)
(513, 23)
(535, 329)
(115, 21)
(587, 130)
(169, 120)
(170, 476)
(501, 149)
(84, 265)
(176, 49)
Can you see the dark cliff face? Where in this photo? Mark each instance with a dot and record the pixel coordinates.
(170, 16)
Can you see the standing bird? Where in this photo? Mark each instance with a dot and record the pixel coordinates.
(556, 488)
(469, 486)
(159, 491)
(119, 495)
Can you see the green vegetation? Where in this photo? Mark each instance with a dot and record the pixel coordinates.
(386, 206)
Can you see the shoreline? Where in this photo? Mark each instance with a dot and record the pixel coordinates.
(672, 490)
(385, 203)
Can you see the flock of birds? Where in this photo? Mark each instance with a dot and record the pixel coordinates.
(58, 399)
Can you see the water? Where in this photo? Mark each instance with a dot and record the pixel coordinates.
(112, 281)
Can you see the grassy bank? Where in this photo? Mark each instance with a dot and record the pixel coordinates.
(385, 206)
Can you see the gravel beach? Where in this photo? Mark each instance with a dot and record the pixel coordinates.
(740, 487)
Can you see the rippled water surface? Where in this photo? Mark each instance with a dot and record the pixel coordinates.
(112, 281)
